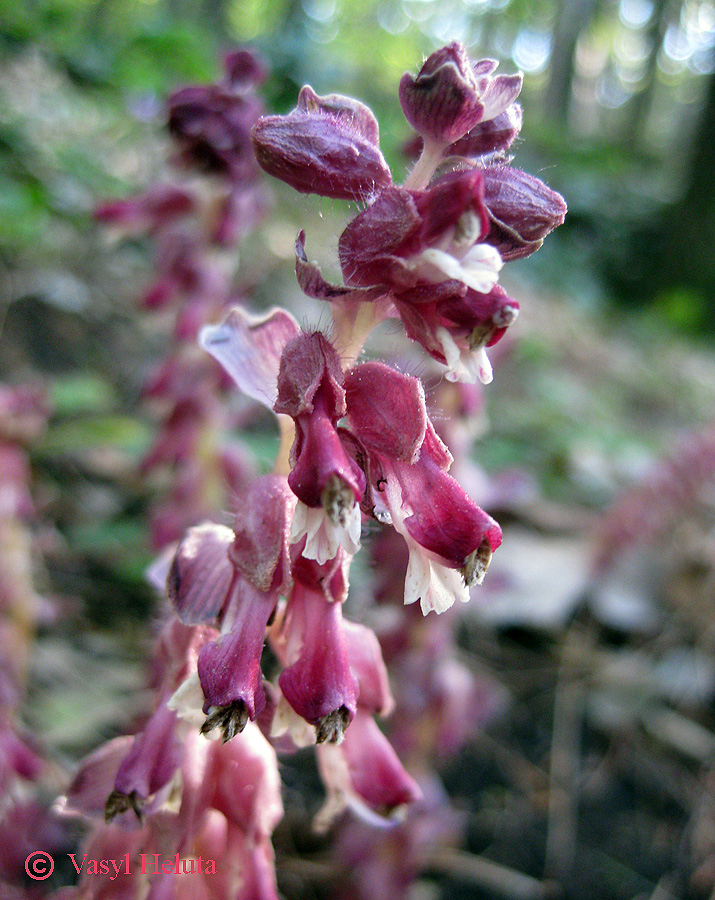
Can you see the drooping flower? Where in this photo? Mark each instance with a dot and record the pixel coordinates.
(318, 681)
(449, 537)
(234, 578)
(428, 249)
(365, 775)
(456, 325)
(409, 238)
(327, 481)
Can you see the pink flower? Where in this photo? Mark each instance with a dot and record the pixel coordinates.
(234, 578)
(449, 537)
(428, 249)
(151, 211)
(318, 682)
(230, 668)
(409, 238)
(364, 774)
(327, 481)
(154, 757)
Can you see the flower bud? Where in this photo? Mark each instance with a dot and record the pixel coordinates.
(492, 136)
(451, 95)
(327, 146)
(522, 210)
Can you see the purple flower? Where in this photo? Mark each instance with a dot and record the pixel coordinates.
(235, 578)
(212, 123)
(451, 94)
(456, 324)
(230, 668)
(364, 774)
(409, 238)
(428, 249)
(151, 211)
(154, 757)
(318, 682)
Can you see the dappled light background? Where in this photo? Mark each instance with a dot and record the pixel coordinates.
(593, 634)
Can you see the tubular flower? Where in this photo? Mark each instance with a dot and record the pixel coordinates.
(327, 481)
(145, 774)
(318, 682)
(234, 578)
(449, 537)
(365, 775)
(456, 325)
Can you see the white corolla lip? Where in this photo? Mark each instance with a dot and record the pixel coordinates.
(324, 537)
(434, 585)
(464, 364)
(479, 268)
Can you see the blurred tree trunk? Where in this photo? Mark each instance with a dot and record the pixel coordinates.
(642, 102)
(572, 18)
(687, 255)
